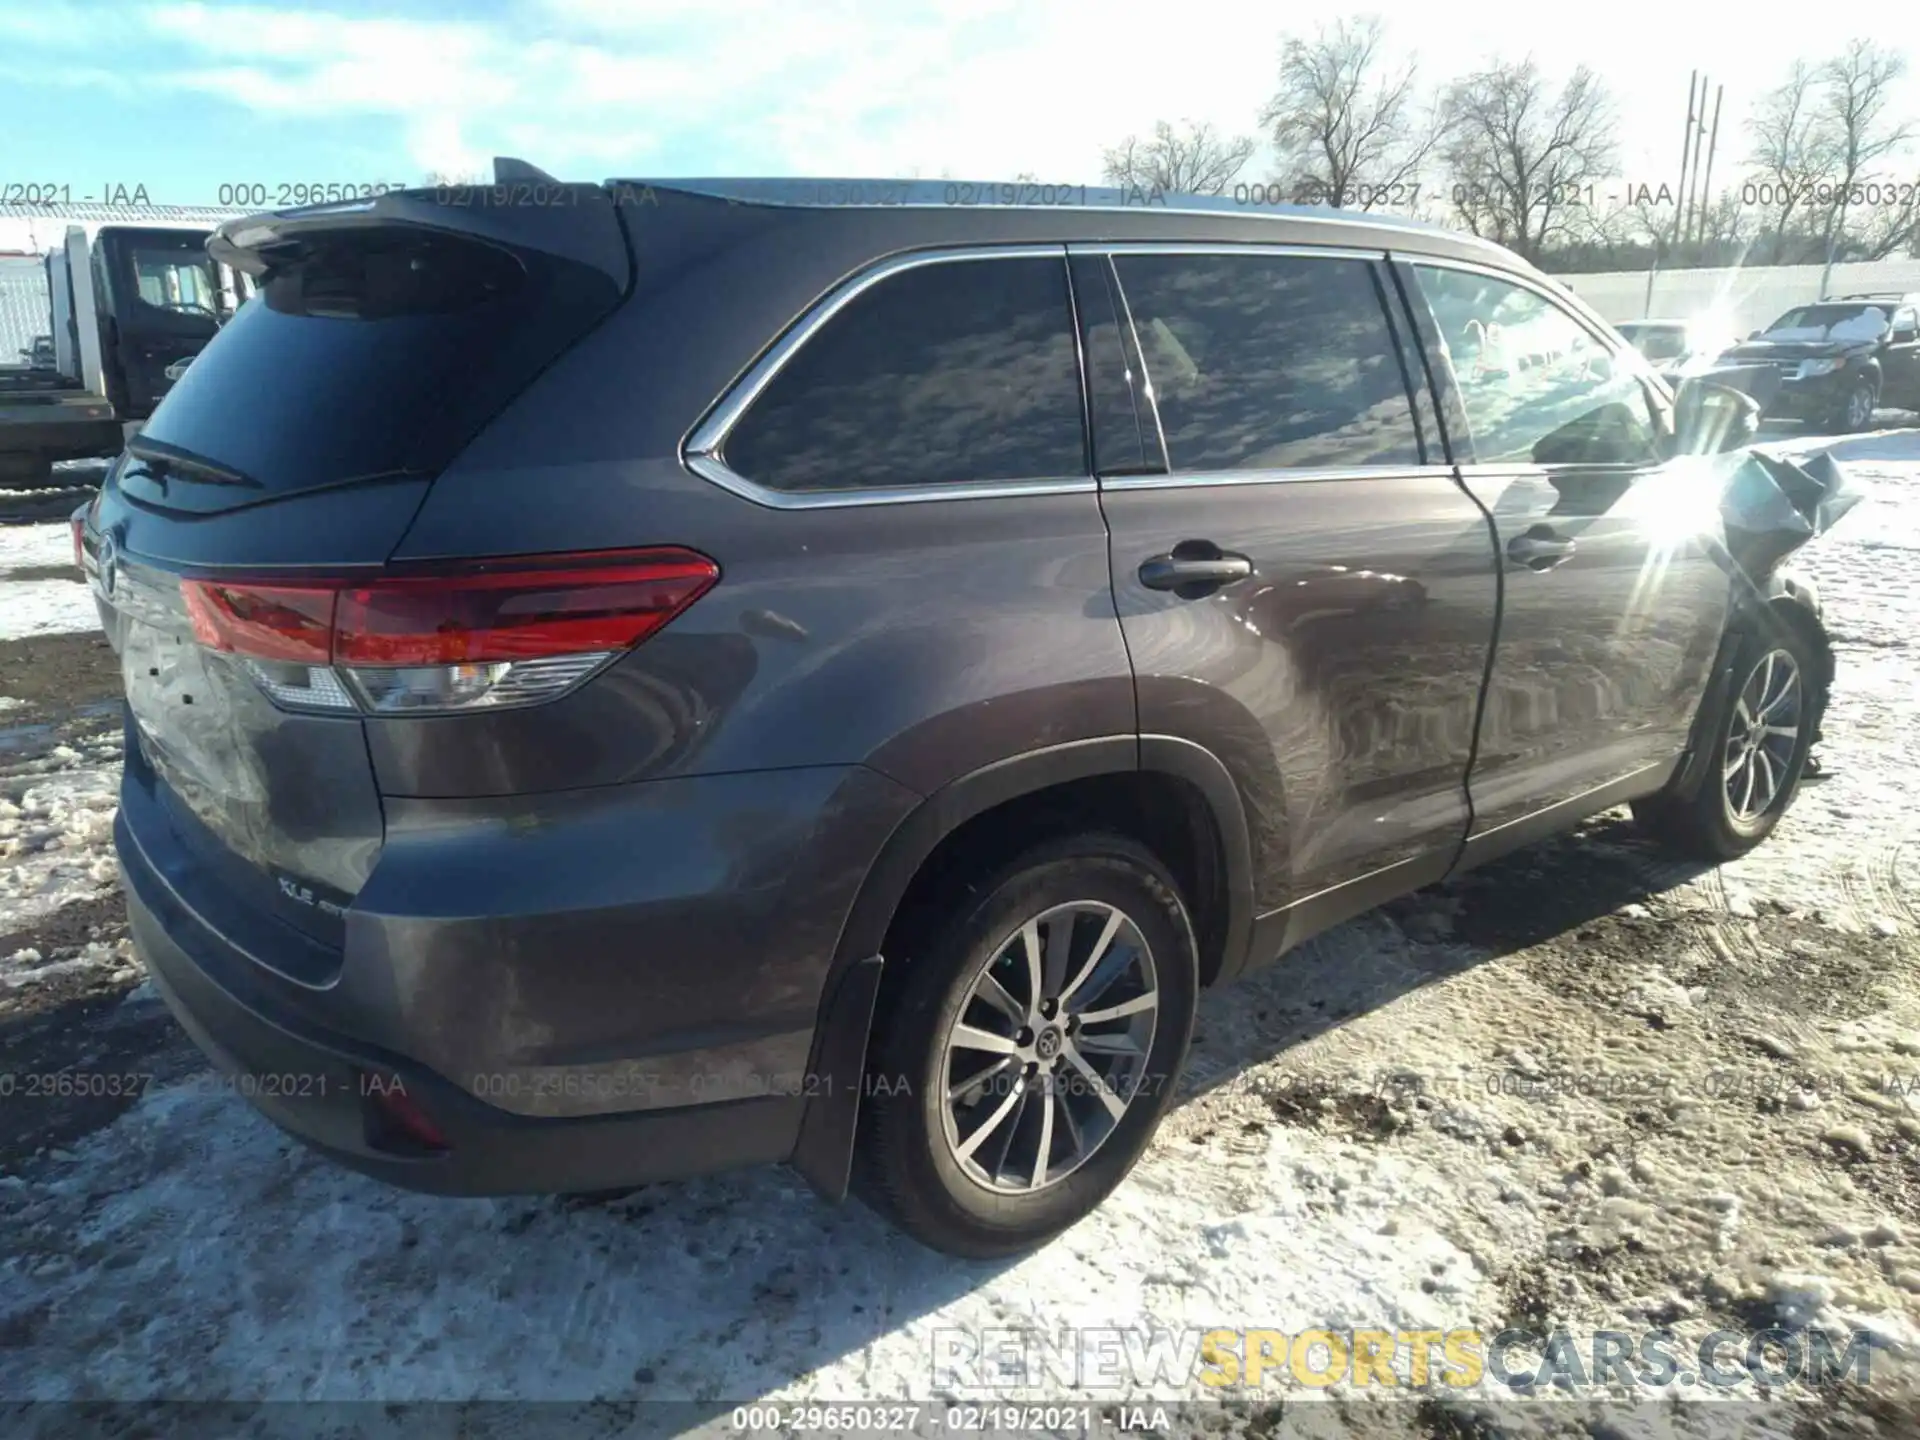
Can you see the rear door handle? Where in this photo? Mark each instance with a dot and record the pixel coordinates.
(1539, 548)
(1194, 567)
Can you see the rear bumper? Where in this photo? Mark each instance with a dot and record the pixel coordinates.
(319, 1088)
(556, 1013)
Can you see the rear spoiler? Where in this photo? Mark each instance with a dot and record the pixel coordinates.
(523, 209)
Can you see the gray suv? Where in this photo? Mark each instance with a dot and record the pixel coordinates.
(626, 680)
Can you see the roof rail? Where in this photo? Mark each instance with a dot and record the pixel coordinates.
(825, 192)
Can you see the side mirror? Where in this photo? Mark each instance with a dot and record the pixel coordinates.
(1710, 417)
(1753, 335)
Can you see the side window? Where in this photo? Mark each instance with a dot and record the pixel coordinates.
(944, 373)
(1265, 362)
(1537, 386)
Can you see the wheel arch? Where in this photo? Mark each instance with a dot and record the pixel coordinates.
(1787, 599)
(979, 809)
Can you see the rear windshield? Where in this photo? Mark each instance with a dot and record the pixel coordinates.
(374, 352)
(1657, 342)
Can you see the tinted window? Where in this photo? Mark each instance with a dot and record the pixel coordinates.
(962, 371)
(1536, 385)
(1269, 361)
(374, 351)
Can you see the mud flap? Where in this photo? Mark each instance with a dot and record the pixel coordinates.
(835, 1078)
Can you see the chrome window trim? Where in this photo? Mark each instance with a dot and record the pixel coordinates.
(1188, 480)
(700, 450)
(1117, 248)
(707, 468)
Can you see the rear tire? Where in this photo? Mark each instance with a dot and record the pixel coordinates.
(1755, 765)
(995, 1117)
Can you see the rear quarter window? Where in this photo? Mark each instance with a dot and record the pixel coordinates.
(947, 373)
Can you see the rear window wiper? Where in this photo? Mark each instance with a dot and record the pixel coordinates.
(165, 459)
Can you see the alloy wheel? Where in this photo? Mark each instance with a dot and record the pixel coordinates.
(1761, 736)
(1859, 408)
(1049, 1048)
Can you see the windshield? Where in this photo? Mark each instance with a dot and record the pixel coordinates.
(1830, 322)
(175, 279)
(1657, 342)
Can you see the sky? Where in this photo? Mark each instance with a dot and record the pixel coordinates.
(182, 99)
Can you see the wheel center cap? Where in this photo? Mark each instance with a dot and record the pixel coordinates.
(1047, 1044)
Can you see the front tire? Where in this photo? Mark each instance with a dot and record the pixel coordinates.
(1856, 410)
(1027, 1043)
(1759, 752)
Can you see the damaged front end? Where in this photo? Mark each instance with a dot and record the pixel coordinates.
(1769, 506)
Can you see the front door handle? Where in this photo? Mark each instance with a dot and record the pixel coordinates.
(1192, 568)
(1539, 548)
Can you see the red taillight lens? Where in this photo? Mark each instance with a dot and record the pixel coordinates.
(491, 633)
(79, 527)
(264, 622)
(602, 603)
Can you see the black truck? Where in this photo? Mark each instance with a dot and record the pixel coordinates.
(126, 308)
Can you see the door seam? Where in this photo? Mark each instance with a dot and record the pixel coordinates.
(1493, 550)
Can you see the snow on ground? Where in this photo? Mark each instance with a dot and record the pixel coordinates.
(45, 607)
(35, 603)
(56, 839)
(1587, 1085)
(24, 547)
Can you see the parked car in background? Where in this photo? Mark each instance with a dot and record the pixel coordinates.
(1833, 362)
(1677, 348)
(595, 717)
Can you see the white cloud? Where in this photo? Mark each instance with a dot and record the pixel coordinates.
(979, 88)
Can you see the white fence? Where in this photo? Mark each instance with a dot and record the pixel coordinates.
(1746, 299)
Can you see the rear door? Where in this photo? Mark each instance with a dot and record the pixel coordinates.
(1304, 587)
(1612, 605)
(159, 298)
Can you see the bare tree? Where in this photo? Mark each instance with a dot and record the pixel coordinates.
(1519, 159)
(1858, 86)
(1188, 160)
(1791, 151)
(1344, 122)
(1820, 140)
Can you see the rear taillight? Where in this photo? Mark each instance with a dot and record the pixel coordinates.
(79, 526)
(484, 635)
